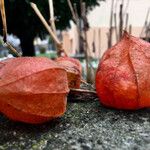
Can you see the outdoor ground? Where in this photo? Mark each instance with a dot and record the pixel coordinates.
(86, 125)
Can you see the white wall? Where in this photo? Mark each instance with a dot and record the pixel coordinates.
(100, 15)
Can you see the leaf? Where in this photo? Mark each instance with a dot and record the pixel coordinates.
(33, 89)
(122, 79)
(74, 70)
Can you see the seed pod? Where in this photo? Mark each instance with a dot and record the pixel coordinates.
(74, 70)
(123, 75)
(33, 90)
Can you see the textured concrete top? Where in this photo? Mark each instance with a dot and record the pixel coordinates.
(86, 125)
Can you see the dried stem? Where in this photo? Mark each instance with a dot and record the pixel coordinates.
(54, 37)
(111, 28)
(86, 47)
(99, 36)
(126, 23)
(72, 11)
(126, 8)
(130, 29)
(145, 23)
(84, 82)
(2, 6)
(12, 49)
(82, 91)
(75, 11)
(121, 21)
(116, 30)
(52, 20)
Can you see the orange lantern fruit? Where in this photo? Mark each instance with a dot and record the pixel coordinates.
(74, 70)
(123, 75)
(33, 90)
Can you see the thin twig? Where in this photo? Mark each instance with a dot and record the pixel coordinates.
(121, 21)
(75, 11)
(145, 23)
(116, 30)
(54, 37)
(2, 6)
(72, 11)
(111, 23)
(45, 23)
(11, 48)
(82, 91)
(84, 82)
(126, 23)
(126, 8)
(130, 29)
(99, 49)
(85, 37)
(52, 18)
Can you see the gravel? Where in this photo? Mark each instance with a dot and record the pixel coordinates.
(87, 125)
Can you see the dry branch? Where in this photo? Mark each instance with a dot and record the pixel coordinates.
(52, 18)
(49, 29)
(116, 30)
(72, 11)
(126, 23)
(111, 28)
(12, 49)
(3, 15)
(2, 6)
(121, 21)
(145, 23)
(82, 91)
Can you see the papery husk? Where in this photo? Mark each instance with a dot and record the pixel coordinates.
(33, 90)
(123, 75)
(74, 70)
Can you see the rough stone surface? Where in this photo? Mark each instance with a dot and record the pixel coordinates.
(86, 125)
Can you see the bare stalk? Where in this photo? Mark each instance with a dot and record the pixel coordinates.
(121, 21)
(145, 23)
(52, 19)
(116, 30)
(11, 48)
(49, 29)
(2, 6)
(72, 11)
(111, 27)
(126, 23)
(82, 91)
(99, 36)
(130, 29)
(85, 37)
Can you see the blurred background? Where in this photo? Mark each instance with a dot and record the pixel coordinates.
(86, 28)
